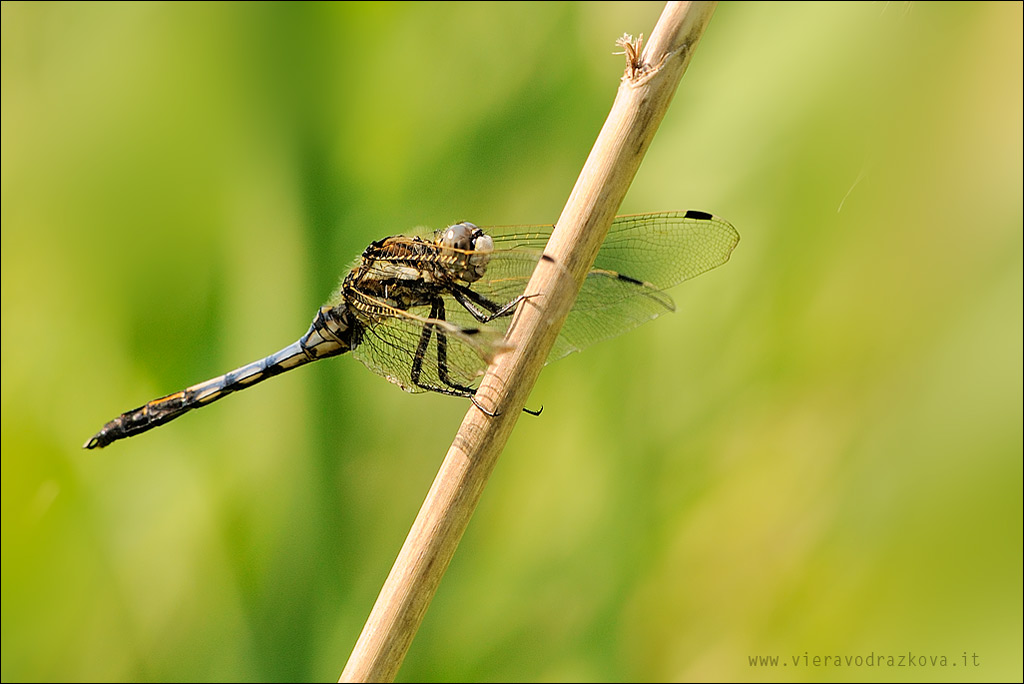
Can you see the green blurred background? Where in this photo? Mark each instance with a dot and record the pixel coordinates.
(820, 454)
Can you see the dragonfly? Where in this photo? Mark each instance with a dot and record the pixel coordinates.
(429, 311)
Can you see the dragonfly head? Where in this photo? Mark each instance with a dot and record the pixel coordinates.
(471, 248)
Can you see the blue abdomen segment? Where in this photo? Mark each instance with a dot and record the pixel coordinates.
(329, 335)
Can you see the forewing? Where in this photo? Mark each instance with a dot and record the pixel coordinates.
(667, 248)
(662, 249)
(642, 255)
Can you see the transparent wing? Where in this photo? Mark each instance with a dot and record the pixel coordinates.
(642, 256)
(392, 346)
(662, 249)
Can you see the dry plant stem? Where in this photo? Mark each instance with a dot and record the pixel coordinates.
(639, 107)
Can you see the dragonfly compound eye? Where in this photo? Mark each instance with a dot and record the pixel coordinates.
(460, 236)
(471, 248)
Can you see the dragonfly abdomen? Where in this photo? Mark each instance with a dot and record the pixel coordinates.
(329, 335)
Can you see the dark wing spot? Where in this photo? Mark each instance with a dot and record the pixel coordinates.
(621, 276)
(699, 215)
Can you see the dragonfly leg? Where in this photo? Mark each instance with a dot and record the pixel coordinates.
(437, 311)
(486, 412)
(417, 359)
(442, 352)
(488, 310)
(450, 388)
